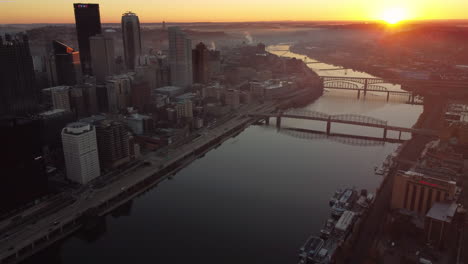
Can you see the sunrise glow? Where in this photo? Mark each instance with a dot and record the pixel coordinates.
(395, 15)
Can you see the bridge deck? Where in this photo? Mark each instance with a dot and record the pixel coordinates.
(424, 132)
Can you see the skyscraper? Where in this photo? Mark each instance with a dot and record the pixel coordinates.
(200, 56)
(102, 57)
(88, 24)
(18, 94)
(67, 64)
(81, 153)
(131, 39)
(180, 57)
(119, 91)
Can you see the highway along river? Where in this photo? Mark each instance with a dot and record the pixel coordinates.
(254, 199)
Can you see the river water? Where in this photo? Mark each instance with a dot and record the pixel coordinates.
(255, 199)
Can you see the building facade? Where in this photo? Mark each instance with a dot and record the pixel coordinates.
(81, 152)
(131, 39)
(416, 192)
(23, 177)
(102, 57)
(67, 64)
(18, 94)
(88, 24)
(184, 109)
(119, 91)
(180, 57)
(200, 56)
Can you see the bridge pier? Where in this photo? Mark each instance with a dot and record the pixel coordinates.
(385, 133)
(412, 98)
(267, 120)
(358, 94)
(329, 126)
(278, 122)
(388, 96)
(365, 87)
(399, 136)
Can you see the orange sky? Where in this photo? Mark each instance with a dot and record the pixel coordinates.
(61, 11)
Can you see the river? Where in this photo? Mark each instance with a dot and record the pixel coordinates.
(254, 199)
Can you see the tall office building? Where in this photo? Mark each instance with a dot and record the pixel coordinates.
(180, 57)
(18, 94)
(119, 91)
(83, 99)
(131, 39)
(102, 57)
(200, 56)
(88, 24)
(81, 152)
(67, 64)
(112, 139)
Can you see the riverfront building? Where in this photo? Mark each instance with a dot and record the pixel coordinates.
(88, 24)
(112, 139)
(416, 192)
(81, 152)
(131, 39)
(180, 57)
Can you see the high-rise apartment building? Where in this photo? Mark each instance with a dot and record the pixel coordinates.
(67, 64)
(88, 24)
(102, 57)
(81, 152)
(18, 94)
(180, 57)
(131, 39)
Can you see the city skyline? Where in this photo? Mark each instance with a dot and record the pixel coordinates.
(54, 11)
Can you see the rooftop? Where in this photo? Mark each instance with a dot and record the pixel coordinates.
(443, 211)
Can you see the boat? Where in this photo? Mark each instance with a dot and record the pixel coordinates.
(310, 249)
(327, 229)
(344, 203)
(335, 197)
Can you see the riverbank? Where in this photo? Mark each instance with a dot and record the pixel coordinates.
(372, 226)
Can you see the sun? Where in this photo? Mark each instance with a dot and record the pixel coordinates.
(394, 15)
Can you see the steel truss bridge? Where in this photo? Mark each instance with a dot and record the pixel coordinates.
(375, 85)
(351, 119)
